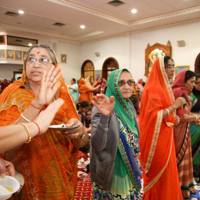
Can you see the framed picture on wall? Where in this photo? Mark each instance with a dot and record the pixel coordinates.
(18, 55)
(63, 58)
(2, 54)
(24, 54)
(10, 54)
(179, 68)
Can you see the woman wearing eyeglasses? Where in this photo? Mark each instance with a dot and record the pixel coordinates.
(47, 161)
(114, 142)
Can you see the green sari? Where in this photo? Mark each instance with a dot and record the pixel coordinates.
(126, 177)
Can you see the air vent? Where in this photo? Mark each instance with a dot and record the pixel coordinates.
(116, 3)
(11, 14)
(58, 24)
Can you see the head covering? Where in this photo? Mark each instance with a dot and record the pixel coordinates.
(49, 157)
(156, 138)
(23, 83)
(122, 106)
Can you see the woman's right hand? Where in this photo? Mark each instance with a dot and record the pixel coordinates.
(49, 86)
(46, 116)
(104, 104)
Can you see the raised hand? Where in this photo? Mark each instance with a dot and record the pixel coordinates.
(49, 86)
(104, 104)
(46, 116)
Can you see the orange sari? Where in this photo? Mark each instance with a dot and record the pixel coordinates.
(158, 157)
(85, 94)
(48, 162)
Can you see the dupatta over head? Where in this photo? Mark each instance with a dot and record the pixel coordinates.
(126, 155)
(122, 107)
(156, 138)
(48, 162)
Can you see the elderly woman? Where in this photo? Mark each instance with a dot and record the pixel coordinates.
(114, 142)
(47, 161)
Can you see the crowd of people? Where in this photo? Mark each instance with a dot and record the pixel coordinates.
(143, 139)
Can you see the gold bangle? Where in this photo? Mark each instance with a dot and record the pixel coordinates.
(27, 133)
(24, 118)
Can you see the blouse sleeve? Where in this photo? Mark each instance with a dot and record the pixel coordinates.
(100, 127)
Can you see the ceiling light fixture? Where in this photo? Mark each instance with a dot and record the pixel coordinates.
(82, 26)
(20, 12)
(134, 11)
(30, 44)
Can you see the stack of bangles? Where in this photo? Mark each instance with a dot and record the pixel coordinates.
(28, 134)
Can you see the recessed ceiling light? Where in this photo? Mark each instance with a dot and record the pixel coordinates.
(30, 44)
(134, 11)
(82, 26)
(20, 12)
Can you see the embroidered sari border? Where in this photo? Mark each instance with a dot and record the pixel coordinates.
(154, 141)
(154, 181)
(124, 148)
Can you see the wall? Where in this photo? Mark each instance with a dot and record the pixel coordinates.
(117, 47)
(182, 55)
(129, 49)
(70, 69)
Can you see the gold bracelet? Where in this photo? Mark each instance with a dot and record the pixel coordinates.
(27, 133)
(23, 117)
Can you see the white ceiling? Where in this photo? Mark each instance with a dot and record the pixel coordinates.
(100, 18)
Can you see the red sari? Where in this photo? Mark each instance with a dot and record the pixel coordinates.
(182, 138)
(48, 162)
(158, 158)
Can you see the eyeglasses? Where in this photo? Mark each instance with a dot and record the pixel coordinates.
(42, 60)
(130, 82)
